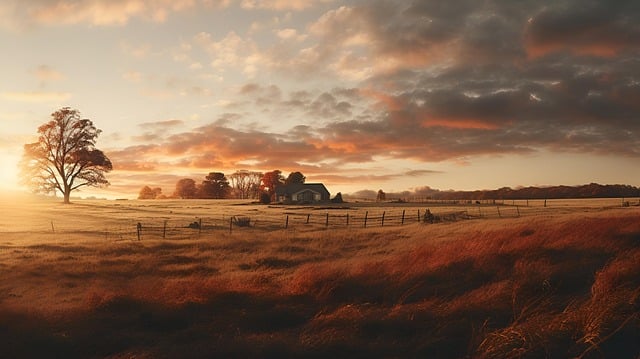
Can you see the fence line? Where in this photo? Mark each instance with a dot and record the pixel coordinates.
(316, 219)
(205, 227)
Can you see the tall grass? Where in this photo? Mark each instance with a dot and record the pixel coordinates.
(552, 286)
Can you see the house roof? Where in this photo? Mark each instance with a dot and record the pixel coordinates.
(297, 187)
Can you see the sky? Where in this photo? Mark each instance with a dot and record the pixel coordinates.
(392, 95)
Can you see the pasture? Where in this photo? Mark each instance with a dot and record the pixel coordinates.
(503, 281)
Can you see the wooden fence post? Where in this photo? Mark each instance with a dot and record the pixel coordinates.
(418, 216)
(139, 229)
(402, 223)
(326, 224)
(164, 229)
(199, 226)
(52, 228)
(498, 207)
(518, 210)
(347, 219)
(286, 222)
(382, 222)
(366, 214)
(308, 216)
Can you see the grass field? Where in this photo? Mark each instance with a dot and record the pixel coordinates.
(557, 281)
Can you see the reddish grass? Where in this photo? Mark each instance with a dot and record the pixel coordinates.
(563, 286)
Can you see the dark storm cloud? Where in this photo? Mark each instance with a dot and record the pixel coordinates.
(592, 27)
(490, 97)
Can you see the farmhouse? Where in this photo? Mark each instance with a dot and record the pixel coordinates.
(302, 193)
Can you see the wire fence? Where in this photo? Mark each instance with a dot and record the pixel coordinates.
(204, 227)
(303, 219)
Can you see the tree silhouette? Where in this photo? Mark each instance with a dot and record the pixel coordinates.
(270, 181)
(65, 158)
(150, 193)
(215, 185)
(186, 189)
(295, 178)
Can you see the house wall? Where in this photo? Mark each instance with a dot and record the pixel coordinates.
(306, 196)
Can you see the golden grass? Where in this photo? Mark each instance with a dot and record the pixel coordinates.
(561, 283)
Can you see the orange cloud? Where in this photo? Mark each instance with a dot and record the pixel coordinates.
(609, 50)
(280, 4)
(459, 123)
(389, 102)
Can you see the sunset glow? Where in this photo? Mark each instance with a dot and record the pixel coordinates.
(391, 95)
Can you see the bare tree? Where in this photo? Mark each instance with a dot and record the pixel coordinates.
(245, 183)
(65, 158)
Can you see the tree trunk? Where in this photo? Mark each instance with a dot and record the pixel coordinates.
(67, 194)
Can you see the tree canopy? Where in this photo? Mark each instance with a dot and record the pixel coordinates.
(186, 189)
(215, 185)
(150, 193)
(65, 157)
(295, 178)
(270, 181)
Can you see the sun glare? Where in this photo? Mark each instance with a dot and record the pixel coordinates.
(9, 172)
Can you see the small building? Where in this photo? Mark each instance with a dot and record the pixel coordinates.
(302, 193)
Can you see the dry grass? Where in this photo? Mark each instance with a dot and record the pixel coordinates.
(561, 284)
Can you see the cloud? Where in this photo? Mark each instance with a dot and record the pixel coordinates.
(290, 34)
(231, 51)
(304, 106)
(599, 28)
(425, 81)
(21, 14)
(280, 4)
(36, 96)
(138, 158)
(443, 114)
(418, 173)
(161, 125)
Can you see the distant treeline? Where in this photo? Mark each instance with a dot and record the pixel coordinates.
(592, 190)
(242, 184)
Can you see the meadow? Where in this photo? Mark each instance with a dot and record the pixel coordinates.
(556, 281)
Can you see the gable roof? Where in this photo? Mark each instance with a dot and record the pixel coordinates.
(290, 189)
